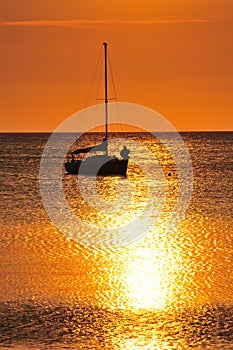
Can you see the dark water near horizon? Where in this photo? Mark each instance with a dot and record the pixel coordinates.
(160, 292)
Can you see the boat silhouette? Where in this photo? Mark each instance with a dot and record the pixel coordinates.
(99, 164)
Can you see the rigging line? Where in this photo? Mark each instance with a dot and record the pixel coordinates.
(98, 91)
(114, 90)
(99, 81)
(93, 79)
(113, 84)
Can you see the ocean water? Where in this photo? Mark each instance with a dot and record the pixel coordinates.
(165, 290)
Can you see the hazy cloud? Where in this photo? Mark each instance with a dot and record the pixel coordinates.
(93, 23)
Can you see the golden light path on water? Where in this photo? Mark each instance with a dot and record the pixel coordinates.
(141, 274)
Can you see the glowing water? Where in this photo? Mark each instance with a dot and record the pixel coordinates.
(161, 292)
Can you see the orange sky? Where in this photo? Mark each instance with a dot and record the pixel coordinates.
(173, 56)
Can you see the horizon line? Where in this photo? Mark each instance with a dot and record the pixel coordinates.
(120, 131)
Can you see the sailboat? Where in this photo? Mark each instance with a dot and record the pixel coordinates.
(99, 164)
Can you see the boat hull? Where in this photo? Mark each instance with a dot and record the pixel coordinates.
(105, 166)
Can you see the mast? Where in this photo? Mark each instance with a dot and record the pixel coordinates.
(106, 94)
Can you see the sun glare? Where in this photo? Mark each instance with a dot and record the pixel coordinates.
(147, 279)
